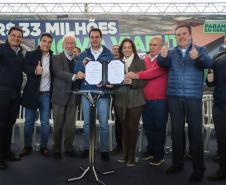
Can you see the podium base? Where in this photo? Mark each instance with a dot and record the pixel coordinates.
(94, 170)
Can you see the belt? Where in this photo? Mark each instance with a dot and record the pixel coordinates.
(44, 92)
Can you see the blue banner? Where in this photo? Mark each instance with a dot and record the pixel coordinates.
(58, 28)
(80, 28)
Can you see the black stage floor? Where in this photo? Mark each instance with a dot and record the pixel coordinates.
(38, 170)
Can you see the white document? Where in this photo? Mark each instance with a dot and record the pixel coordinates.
(93, 71)
(116, 70)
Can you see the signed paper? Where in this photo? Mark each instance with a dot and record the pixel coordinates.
(116, 72)
(93, 71)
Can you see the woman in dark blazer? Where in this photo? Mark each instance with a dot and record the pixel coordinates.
(129, 101)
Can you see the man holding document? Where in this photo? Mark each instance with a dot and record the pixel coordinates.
(95, 57)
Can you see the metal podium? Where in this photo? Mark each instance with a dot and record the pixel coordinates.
(92, 96)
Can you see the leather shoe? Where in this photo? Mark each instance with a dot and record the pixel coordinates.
(13, 157)
(57, 155)
(45, 152)
(3, 165)
(173, 169)
(196, 177)
(218, 176)
(26, 151)
(123, 159)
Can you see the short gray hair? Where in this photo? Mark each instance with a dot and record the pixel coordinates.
(71, 35)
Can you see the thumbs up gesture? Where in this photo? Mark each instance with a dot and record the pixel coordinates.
(210, 76)
(164, 50)
(38, 69)
(194, 54)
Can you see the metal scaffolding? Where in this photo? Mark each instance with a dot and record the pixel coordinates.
(199, 8)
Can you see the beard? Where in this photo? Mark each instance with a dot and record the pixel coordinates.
(70, 53)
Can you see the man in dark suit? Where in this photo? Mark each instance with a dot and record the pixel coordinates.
(217, 79)
(37, 93)
(11, 77)
(64, 101)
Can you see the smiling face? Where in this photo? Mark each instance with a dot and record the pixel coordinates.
(155, 46)
(15, 38)
(183, 37)
(69, 45)
(45, 44)
(95, 40)
(127, 49)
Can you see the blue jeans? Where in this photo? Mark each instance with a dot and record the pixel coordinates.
(102, 106)
(44, 109)
(155, 116)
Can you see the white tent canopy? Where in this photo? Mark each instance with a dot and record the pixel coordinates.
(112, 1)
(139, 7)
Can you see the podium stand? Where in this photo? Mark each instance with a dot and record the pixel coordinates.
(92, 96)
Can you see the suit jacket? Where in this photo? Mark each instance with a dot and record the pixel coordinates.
(11, 73)
(62, 85)
(131, 96)
(31, 93)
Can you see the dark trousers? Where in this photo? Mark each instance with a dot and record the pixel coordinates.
(191, 109)
(8, 115)
(219, 118)
(130, 122)
(64, 125)
(155, 116)
(118, 131)
(187, 142)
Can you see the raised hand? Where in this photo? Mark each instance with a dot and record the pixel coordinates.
(194, 54)
(38, 69)
(164, 50)
(210, 76)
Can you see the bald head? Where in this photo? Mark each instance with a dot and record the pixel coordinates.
(155, 46)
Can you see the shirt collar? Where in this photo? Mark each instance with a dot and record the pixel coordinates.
(184, 49)
(98, 51)
(69, 57)
(46, 55)
(152, 58)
